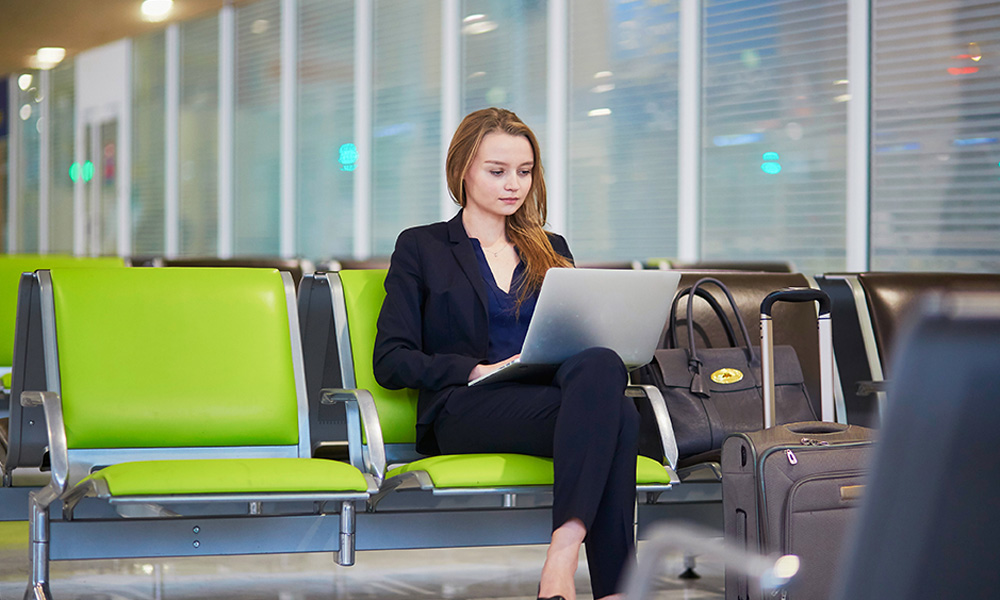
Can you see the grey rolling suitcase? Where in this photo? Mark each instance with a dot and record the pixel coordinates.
(794, 488)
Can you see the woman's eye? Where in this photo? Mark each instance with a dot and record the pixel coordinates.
(497, 173)
(525, 173)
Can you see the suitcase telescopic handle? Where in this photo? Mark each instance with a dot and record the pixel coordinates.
(825, 328)
(797, 295)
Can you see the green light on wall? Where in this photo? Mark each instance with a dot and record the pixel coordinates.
(87, 172)
(771, 166)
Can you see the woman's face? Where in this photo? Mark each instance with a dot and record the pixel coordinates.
(499, 177)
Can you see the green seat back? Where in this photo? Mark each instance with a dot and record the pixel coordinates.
(364, 291)
(174, 357)
(11, 267)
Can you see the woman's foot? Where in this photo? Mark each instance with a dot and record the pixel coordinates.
(561, 561)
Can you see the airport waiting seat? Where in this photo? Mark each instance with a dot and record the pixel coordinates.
(914, 540)
(390, 417)
(296, 267)
(12, 266)
(179, 393)
(869, 310)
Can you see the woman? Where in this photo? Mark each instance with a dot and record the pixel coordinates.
(459, 296)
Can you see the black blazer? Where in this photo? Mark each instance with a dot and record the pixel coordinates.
(434, 325)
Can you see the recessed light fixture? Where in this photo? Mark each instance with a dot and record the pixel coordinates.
(46, 58)
(156, 10)
(24, 81)
(599, 112)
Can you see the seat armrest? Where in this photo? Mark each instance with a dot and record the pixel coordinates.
(51, 404)
(368, 455)
(663, 424)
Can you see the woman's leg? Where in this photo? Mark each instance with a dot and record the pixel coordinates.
(595, 448)
(585, 422)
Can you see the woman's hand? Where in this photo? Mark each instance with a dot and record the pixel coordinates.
(481, 369)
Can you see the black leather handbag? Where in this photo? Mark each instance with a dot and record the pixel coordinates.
(713, 392)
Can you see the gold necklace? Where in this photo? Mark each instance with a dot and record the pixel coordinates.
(497, 253)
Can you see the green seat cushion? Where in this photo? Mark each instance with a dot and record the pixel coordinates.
(5, 381)
(231, 476)
(649, 472)
(482, 470)
(504, 470)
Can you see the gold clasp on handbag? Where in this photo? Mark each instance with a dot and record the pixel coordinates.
(727, 375)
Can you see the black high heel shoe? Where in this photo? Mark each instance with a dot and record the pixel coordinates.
(548, 597)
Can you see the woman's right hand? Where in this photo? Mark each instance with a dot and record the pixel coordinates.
(481, 369)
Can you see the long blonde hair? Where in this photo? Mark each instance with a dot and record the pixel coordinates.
(525, 228)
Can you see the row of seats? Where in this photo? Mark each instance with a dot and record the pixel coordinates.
(171, 390)
(335, 397)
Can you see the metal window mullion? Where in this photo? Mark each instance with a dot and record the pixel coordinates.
(13, 163)
(80, 216)
(364, 23)
(226, 148)
(858, 207)
(557, 164)
(288, 112)
(172, 143)
(124, 159)
(451, 90)
(44, 160)
(689, 127)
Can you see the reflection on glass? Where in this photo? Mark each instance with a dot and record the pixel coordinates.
(148, 155)
(935, 138)
(198, 137)
(407, 168)
(324, 158)
(257, 164)
(61, 137)
(768, 69)
(623, 130)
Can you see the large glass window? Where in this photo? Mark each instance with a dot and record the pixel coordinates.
(504, 58)
(326, 154)
(774, 144)
(623, 130)
(257, 130)
(61, 132)
(148, 151)
(407, 167)
(936, 136)
(198, 137)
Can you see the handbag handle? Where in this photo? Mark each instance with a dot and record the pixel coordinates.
(671, 339)
(694, 363)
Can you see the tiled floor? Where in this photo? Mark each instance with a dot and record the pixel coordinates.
(473, 573)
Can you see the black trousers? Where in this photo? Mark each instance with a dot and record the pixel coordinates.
(582, 420)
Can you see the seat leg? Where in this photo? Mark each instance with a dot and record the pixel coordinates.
(690, 562)
(345, 554)
(38, 587)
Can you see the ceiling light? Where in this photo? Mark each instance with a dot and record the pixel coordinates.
(24, 81)
(46, 58)
(156, 10)
(478, 27)
(602, 74)
(599, 112)
(473, 18)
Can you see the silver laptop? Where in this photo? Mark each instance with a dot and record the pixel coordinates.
(621, 309)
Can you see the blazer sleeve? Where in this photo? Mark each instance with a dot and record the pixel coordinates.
(401, 359)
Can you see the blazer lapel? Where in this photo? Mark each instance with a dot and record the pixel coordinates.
(461, 247)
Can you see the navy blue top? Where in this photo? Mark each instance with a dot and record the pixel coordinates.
(507, 328)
